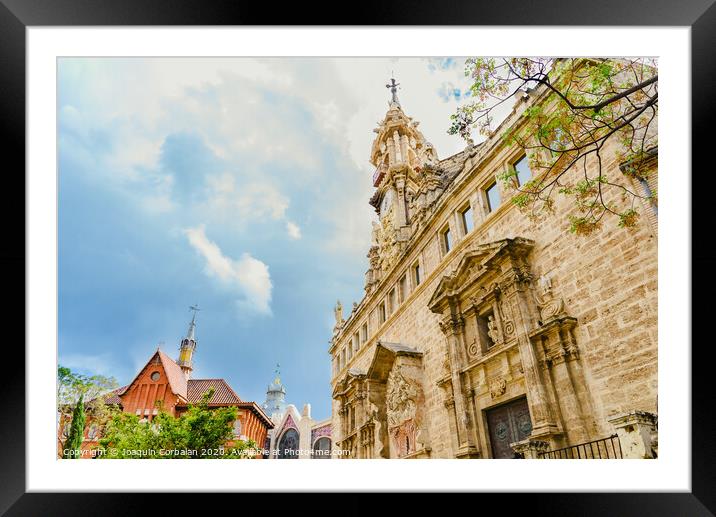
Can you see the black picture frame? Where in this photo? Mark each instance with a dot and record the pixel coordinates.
(17, 15)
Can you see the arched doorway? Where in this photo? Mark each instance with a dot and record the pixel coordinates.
(288, 445)
(322, 449)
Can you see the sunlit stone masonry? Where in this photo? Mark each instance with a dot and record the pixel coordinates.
(483, 333)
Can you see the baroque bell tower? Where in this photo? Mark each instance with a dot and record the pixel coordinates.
(405, 175)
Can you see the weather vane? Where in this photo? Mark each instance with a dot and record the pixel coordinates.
(393, 89)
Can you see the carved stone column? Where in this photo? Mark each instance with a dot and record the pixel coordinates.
(543, 420)
(452, 328)
(558, 353)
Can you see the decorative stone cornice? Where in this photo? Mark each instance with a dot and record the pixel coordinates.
(479, 261)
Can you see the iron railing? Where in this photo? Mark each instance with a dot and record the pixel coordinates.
(605, 448)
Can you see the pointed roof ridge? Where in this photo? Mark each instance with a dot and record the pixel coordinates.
(177, 379)
(175, 375)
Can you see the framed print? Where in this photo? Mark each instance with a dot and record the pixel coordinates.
(433, 236)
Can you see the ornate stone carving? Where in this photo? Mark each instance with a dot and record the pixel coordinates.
(549, 305)
(403, 401)
(451, 324)
(498, 386)
(508, 325)
(401, 398)
(556, 341)
(386, 237)
(472, 348)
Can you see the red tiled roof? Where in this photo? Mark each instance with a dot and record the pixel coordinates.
(177, 379)
(223, 394)
(113, 396)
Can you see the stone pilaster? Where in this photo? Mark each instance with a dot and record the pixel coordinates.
(544, 423)
(453, 327)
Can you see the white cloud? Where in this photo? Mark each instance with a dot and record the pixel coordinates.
(249, 201)
(247, 275)
(276, 123)
(293, 230)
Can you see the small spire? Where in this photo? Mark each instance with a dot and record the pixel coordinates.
(192, 325)
(277, 371)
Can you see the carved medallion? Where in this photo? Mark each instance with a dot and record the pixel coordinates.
(498, 387)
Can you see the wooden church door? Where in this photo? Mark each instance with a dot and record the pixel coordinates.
(507, 424)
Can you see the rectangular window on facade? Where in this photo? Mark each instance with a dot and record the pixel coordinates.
(446, 239)
(403, 288)
(524, 174)
(492, 193)
(364, 333)
(356, 342)
(381, 313)
(466, 220)
(392, 301)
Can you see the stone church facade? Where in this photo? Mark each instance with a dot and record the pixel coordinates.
(484, 334)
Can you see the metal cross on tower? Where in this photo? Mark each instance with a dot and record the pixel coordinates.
(393, 89)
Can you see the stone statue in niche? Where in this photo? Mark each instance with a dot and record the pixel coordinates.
(492, 330)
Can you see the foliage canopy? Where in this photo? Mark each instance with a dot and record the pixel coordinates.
(585, 106)
(201, 432)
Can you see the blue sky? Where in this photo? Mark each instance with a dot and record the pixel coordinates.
(240, 185)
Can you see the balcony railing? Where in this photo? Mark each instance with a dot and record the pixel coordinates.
(379, 174)
(605, 448)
